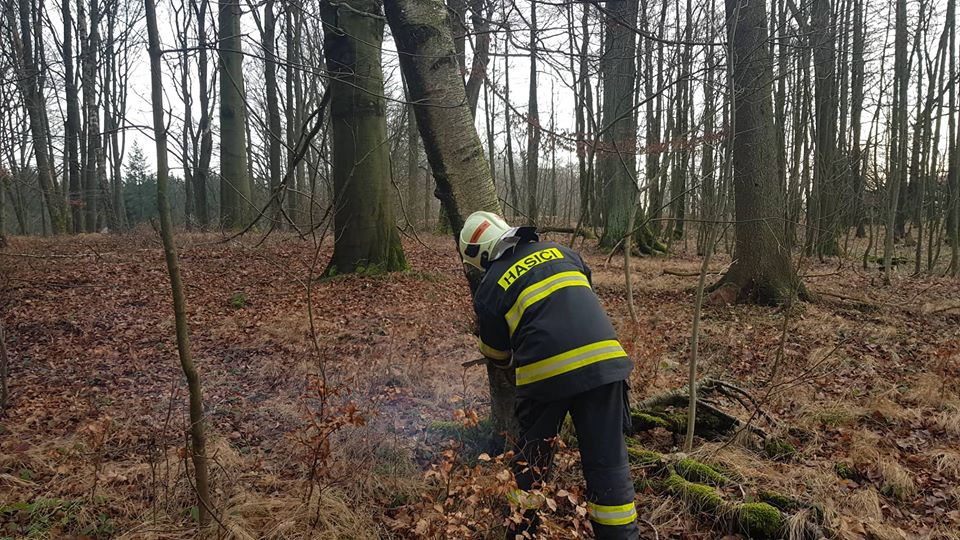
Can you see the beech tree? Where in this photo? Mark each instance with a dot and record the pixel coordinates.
(235, 189)
(762, 270)
(364, 227)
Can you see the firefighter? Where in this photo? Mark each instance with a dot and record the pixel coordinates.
(538, 315)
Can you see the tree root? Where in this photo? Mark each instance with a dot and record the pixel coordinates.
(668, 411)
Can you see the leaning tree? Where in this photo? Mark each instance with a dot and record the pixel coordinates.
(428, 59)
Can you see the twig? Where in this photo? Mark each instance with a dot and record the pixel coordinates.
(681, 273)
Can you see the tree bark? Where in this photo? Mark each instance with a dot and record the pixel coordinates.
(826, 194)
(762, 271)
(533, 125)
(72, 125)
(235, 188)
(460, 170)
(197, 422)
(366, 236)
(273, 110)
(32, 94)
(617, 158)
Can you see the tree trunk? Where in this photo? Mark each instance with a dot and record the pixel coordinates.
(533, 125)
(856, 106)
(235, 189)
(197, 423)
(763, 271)
(507, 123)
(953, 170)
(72, 125)
(91, 184)
(413, 167)
(32, 94)
(365, 232)
(273, 110)
(826, 194)
(898, 136)
(617, 158)
(481, 54)
(453, 148)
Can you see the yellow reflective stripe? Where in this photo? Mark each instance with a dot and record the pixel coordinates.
(569, 361)
(540, 290)
(623, 514)
(490, 352)
(525, 500)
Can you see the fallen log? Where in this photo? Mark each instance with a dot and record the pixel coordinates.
(696, 484)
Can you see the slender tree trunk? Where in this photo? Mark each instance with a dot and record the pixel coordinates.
(197, 423)
(273, 109)
(413, 167)
(201, 171)
(91, 185)
(681, 154)
(953, 170)
(898, 136)
(481, 53)
(822, 27)
(72, 125)
(511, 171)
(856, 106)
(533, 125)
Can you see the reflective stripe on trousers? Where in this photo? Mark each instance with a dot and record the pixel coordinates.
(623, 514)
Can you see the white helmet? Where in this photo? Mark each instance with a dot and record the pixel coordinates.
(481, 233)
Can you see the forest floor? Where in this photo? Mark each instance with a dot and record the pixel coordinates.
(343, 421)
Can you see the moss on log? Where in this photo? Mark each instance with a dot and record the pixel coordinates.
(694, 471)
(759, 520)
(697, 497)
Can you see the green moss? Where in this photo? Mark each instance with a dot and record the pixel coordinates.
(777, 448)
(896, 490)
(833, 416)
(641, 456)
(645, 421)
(759, 520)
(847, 472)
(778, 500)
(238, 300)
(696, 496)
(694, 471)
(46, 518)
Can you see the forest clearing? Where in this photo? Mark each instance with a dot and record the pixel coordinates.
(866, 392)
(444, 269)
